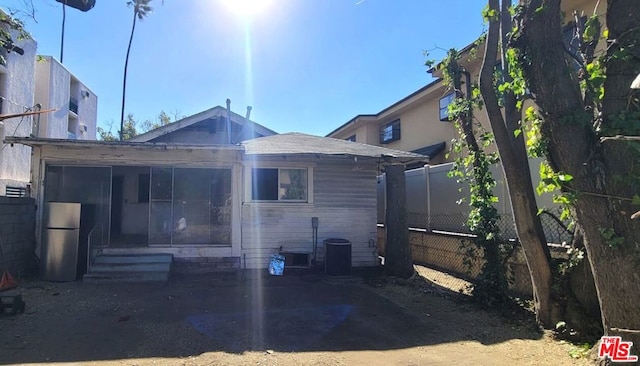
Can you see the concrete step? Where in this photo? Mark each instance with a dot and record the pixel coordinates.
(133, 258)
(119, 277)
(131, 267)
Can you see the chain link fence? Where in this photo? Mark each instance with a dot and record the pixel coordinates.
(445, 248)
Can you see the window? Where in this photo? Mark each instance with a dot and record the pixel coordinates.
(273, 184)
(390, 132)
(444, 106)
(351, 138)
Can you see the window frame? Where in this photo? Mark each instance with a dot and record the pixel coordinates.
(249, 176)
(395, 131)
(451, 97)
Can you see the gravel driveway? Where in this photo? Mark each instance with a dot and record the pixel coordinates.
(250, 318)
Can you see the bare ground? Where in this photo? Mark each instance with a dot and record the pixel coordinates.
(251, 319)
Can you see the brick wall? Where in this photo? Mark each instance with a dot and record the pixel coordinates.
(17, 235)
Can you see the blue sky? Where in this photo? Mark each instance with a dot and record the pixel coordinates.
(303, 65)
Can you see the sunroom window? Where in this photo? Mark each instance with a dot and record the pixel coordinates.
(279, 184)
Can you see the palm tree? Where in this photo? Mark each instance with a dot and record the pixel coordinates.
(141, 9)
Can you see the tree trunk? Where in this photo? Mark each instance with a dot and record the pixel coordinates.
(515, 164)
(398, 260)
(603, 172)
(124, 78)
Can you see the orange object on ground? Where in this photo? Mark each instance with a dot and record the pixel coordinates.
(7, 282)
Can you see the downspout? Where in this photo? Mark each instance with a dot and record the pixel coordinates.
(467, 81)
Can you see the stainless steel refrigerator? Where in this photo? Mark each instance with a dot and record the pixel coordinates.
(62, 231)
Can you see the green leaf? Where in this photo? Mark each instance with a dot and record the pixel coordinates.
(635, 200)
(565, 177)
(517, 132)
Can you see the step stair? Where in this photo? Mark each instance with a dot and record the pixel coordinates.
(130, 268)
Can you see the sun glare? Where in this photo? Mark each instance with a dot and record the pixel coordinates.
(246, 9)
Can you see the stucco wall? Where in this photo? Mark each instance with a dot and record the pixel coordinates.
(87, 112)
(53, 91)
(18, 93)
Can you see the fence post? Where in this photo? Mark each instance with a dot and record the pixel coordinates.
(427, 186)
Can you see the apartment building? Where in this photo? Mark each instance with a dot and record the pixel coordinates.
(16, 96)
(419, 122)
(76, 105)
(34, 84)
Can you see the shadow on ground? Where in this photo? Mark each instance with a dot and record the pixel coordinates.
(234, 313)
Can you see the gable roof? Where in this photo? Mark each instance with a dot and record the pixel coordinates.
(294, 143)
(214, 112)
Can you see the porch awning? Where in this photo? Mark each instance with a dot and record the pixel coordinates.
(38, 142)
(431, 150)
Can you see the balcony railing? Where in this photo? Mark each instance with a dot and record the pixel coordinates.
(73, 105)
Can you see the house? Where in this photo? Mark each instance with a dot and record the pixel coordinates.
(76, 105)
(31, 86)
(213, 206)
(420, 122)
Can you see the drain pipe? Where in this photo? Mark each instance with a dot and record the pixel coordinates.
(314, 226)
(229, 121)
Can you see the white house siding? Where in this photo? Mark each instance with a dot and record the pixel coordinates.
(344, 200)
(17, 84)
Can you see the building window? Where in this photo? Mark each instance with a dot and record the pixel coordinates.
(390, 132)
(351, 138)
(273, 184)
(444, 106)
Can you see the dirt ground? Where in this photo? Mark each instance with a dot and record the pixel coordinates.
(253, 319)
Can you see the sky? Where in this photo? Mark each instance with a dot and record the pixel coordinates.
(303, 65)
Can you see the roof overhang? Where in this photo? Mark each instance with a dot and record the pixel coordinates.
(41, 142)
(303, 145)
